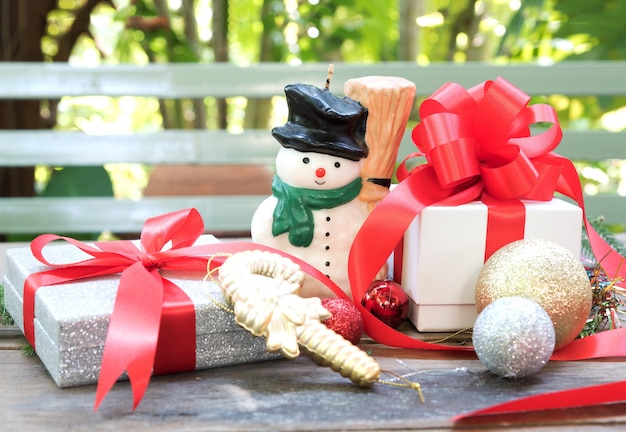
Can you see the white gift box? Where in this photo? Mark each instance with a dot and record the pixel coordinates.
(443, 253)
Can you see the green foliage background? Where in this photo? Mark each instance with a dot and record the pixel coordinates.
(299, 31)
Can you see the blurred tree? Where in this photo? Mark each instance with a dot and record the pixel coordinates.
(549, 31)
(555, 30)
(294, 31)
(19, 42)
(25, 26)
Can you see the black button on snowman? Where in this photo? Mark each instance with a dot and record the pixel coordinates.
(314, 213)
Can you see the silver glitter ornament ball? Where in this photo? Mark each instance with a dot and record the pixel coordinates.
(513, 337)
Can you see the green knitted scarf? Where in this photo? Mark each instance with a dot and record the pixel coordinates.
(293, 212)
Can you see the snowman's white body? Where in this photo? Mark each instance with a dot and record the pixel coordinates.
(334, 228)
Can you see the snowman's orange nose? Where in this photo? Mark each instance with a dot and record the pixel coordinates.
(320, 172)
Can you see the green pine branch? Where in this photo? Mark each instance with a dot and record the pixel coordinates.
(605, 233)
(5, 318)
(28, 351)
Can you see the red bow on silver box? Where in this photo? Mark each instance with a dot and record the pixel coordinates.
(152, 326)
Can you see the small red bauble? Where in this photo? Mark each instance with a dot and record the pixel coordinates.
(346, 319)
(387, 301)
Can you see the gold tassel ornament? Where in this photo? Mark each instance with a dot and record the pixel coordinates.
(263, 287)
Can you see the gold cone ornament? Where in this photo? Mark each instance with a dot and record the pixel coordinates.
(263, 287)
(388, 101)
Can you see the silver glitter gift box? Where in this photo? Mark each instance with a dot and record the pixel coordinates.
(71, 320)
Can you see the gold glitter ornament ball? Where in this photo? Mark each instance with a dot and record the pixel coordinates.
(542, 271)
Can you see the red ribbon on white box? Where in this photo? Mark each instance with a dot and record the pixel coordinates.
(478, 145)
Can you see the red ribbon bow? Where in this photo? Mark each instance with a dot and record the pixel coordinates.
(478, 141)
(481, 137)
(153, 320)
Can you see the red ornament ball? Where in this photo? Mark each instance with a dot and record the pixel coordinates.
(387, 301)
(346, 319)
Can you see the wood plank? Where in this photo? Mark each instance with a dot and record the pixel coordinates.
(588, 145)
(221, 214)
(11, 338)
(611, 207)
(193, 147)
(287, 395)
(54, 80)
(176, 180)
(95, 214)
(200, 147)
(592, 145)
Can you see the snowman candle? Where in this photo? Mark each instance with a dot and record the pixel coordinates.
(313, 212)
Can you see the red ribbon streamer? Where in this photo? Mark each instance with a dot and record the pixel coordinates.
(477, 144)
(578, 397)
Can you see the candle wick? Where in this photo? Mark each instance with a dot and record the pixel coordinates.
(331, 70)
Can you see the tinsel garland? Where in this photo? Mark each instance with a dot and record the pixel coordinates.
(609, 299)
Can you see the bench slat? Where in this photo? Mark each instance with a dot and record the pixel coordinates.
(95, 214)
(220, 213)
(195, 147)
(253, 147)
(182, 80)
(591, 145)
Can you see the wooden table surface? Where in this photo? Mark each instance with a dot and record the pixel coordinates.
(281, 395)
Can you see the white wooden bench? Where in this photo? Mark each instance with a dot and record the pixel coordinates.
(232, 213)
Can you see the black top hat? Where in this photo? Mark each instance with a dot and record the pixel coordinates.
(323, 123)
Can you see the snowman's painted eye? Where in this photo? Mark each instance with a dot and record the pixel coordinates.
(306, 160)
(337, 164)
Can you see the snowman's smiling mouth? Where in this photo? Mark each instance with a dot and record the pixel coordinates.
(319, 182)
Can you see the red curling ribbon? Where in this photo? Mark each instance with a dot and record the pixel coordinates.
(607, 344)
(578, 397)
(477, 145)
